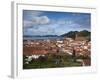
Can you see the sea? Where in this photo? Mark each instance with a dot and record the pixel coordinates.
(42, 38)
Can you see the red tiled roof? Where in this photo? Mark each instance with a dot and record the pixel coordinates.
(87, 62)
(32, 52)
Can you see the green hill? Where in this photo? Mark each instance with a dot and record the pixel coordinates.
(72, 34)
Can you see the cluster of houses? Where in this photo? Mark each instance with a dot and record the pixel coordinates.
(36, 48)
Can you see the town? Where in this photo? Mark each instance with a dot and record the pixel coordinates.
(57, 51)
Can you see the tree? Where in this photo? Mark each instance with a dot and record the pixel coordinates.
(42, 58)
(74, 55)
(24, 59)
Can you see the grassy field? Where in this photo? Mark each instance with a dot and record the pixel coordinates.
(53, 62)
(50, 65)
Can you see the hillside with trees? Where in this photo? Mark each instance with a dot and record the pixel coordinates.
(72, 34)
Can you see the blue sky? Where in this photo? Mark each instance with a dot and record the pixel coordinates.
(54, 23)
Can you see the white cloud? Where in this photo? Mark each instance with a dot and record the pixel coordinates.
(31, 13)
(40, 31)
(40, 20)
(35, 13)
(27, 23)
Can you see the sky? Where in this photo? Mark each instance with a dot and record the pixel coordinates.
(54, 23)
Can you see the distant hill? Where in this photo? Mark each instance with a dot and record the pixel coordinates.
(73, 34)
